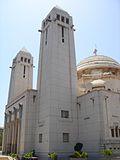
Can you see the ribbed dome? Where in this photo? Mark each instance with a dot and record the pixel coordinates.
(98, 82)
(98, 61)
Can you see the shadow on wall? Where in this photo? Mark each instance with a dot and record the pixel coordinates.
(1, 137)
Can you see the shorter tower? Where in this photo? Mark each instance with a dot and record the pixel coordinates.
(21, 74)
(21, 107)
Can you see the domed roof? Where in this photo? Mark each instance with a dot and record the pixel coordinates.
(98, 61)
(98, 82)
(24, 51)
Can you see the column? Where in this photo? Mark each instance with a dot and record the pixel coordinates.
(18, 137)
(9, 134)
(13, 134)
(4, 134)
(15, 116)
(19, 127)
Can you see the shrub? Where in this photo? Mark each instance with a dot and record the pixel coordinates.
(79, 154)
(13, 155)
(107, 152)
(52, 155)
(84, 155)
(28, 155)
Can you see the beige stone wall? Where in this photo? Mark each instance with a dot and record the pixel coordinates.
(98, 112)
(56, 85)
(20, 123)
(21, 75)
(111, 77)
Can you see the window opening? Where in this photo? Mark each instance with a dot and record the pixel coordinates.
(40, 138)
(112, 132)
(25, 60)
(62, 34)
(62, 31)
(65, 137)
(62, 19)
(64, 114)
(22, 59)
(24, 70)
(62, 40)
(116, 131)
(46, 35)
(28, 60)
(34, 98)
(67, 20)
(44, 24)
(58, 17)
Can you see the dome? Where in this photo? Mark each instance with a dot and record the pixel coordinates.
(98, 82)
(97, 61)
(24, 50)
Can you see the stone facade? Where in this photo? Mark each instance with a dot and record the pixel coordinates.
(21, 74)
(97, 72)
(1, 137)
(56, 84)
(54, 117)
(20, 123)
(99, 121)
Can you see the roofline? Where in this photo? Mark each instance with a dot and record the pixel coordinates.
(98, 91)
(97, 66)
(22, 95)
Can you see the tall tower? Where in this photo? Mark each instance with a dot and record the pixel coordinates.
(21, 74)
(56, 112)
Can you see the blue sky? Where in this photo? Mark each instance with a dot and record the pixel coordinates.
(97, 22)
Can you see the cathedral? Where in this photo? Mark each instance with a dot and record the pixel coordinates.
(72, 104)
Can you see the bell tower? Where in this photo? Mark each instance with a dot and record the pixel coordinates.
(21, 74)
(56, 125)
